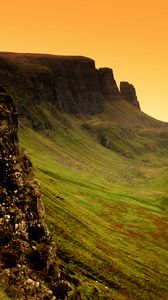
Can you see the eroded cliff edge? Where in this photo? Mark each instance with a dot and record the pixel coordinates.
(71, 83)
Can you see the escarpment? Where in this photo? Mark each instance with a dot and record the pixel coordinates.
(71, 84)
(68, 83)
(128, 92)
(26, 249)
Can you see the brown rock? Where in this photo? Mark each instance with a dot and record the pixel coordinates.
(128, 92)
(21, 211)
(69, 83)
(107, 83)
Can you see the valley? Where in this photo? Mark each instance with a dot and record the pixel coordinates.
(102, 165)
(107, 209)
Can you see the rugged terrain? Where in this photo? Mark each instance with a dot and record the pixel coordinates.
(27, 253)
(102, 165)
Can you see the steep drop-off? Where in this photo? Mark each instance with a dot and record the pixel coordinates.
(128, 92)
(71, 83)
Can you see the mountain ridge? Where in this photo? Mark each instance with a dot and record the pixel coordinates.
(72, 83)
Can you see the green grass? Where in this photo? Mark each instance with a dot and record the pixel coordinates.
(107, 212)
(3, 296)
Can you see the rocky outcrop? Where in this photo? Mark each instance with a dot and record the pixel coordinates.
(70, 84)
(128, 92)
(26, 250)
(108, 84)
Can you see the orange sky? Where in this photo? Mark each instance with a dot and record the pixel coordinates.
(130, 36)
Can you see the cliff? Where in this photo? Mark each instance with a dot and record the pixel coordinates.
(108, 84)
(72, 84)
(128, 92)
(26, 250)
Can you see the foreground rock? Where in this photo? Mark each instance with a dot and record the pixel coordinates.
(26, 250)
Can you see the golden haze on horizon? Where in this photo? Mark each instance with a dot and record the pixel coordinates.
(129, 36)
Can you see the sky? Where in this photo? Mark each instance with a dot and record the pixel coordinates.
(129, 36)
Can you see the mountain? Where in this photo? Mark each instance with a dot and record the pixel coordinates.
(102, 166)
(71, 84)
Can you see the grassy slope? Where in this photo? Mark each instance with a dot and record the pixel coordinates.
(3, 295)
(107, 209)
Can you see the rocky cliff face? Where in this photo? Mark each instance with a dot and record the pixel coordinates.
(128, 92)
(71, 84)
(108, 86)
(26, 249)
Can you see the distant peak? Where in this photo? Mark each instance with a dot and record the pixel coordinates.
(107, 82)
(128, 92)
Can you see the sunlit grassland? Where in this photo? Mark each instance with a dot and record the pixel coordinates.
(107, 212)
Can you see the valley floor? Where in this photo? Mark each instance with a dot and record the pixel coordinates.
(107, 214)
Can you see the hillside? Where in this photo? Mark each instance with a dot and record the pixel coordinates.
(103, 166)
